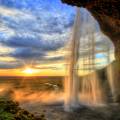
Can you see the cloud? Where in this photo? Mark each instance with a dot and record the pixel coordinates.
(10, 65)
(27, 53)
(33, 42)
(32, 34)
(33, 29)
(28, 24)
(54, 58)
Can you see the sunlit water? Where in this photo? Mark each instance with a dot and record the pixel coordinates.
(72, 81)
(91, 90)
(91, 93)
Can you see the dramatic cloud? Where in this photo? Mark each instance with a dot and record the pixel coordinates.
(33, 42)
(27, 53)
(34, 28)
(10, 65)
(30, 32)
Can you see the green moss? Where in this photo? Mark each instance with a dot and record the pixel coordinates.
(10, 110)
(6, 116)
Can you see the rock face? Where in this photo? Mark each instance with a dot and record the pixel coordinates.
(107, 13)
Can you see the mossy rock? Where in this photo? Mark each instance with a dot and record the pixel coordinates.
(10, 110)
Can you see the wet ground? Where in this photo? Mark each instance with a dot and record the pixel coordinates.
(56, 112)
(53, 111)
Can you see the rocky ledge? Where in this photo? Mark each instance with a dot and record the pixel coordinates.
(10, 110)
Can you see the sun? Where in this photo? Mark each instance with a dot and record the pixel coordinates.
(28, 71)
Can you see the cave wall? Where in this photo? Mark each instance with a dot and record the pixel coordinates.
(107, 13)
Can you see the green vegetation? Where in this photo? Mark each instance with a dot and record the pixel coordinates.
(10, 110)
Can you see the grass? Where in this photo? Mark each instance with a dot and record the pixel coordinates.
(10, 110)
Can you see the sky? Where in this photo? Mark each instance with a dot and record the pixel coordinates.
(35, 34)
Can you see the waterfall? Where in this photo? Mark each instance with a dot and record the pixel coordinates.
(91, 93)
(72, 81)
(112, 81)
(85, 90)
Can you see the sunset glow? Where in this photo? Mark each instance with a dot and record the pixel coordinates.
(29, 71)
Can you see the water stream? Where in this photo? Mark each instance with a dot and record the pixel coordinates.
(91, 91)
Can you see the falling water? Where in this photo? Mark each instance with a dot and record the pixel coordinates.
(72, 81)
(91, 92)
(112, 80)
(77, 90)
